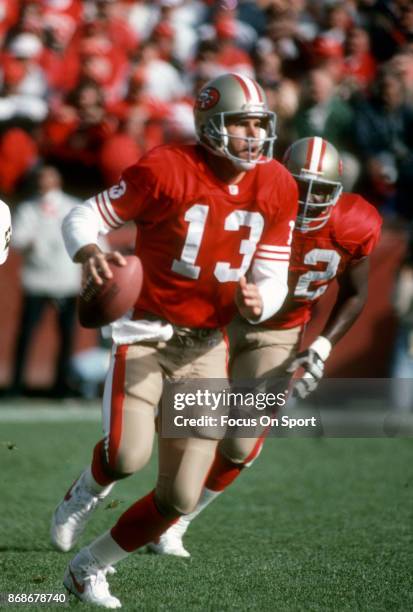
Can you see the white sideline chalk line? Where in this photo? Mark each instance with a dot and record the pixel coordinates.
(49, 415)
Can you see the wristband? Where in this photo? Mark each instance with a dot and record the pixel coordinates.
(322, 346)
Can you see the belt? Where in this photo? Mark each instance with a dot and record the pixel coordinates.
(185, 336)
(188, 336)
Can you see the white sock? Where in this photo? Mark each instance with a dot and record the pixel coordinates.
(106, 551)
(207, 496)
(94, 487)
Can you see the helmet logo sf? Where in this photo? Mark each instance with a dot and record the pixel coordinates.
(226, 100)
(207, 98)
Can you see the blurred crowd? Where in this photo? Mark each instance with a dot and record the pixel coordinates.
(88, 86)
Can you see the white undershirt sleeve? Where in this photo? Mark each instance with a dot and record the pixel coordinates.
(271, 279)
(82, 226)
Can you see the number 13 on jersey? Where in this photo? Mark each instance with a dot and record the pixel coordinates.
(197, 216)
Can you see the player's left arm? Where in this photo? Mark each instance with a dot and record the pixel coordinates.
(249, 300)
(361, 230)
(259, 298)
(351, 298)
(264, 293)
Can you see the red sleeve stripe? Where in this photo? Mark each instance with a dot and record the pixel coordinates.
(110, 208)
(103, 213)
(275, 249)
(106, 204)
(251, 90)
(277, 256)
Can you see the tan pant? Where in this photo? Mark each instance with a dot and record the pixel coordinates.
(257, 352)
(132, 393)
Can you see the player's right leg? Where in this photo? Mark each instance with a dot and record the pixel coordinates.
(132, 391)
(183, 466)
(256, 353)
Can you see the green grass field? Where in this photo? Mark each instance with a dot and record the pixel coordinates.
(315, 524)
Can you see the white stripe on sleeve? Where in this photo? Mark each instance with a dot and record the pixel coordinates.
(101, 208)
(276, 249)
(113, 215)
(276, 256)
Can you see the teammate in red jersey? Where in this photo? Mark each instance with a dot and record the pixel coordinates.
(334, 236)
(208, 217)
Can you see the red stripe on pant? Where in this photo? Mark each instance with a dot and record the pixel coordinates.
(98, 467)
(117, 400)
(223, 471)
(140, 524)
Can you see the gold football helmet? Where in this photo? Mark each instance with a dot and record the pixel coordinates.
(316, 166)
(227, 97)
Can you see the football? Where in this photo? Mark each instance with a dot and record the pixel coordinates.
(98, 306)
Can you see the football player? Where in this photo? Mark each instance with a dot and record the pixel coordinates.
(5, 231)
(206, 215)
(334, 235)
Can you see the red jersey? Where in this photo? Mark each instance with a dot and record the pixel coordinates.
(196, 236)
(318, 257)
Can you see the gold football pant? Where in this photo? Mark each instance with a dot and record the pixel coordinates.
(132, 394)
(257, 352)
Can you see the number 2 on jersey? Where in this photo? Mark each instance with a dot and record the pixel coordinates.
(313, 257)
(197, 217)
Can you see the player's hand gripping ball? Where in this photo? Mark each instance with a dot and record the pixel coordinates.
(101, 305)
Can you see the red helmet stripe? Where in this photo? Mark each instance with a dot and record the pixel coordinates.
(323, 150)
(250, 88)
(315, 154)
(257, 89)
(309, 154)
(243, 85)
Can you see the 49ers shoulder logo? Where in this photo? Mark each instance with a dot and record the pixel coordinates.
(207, 99)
